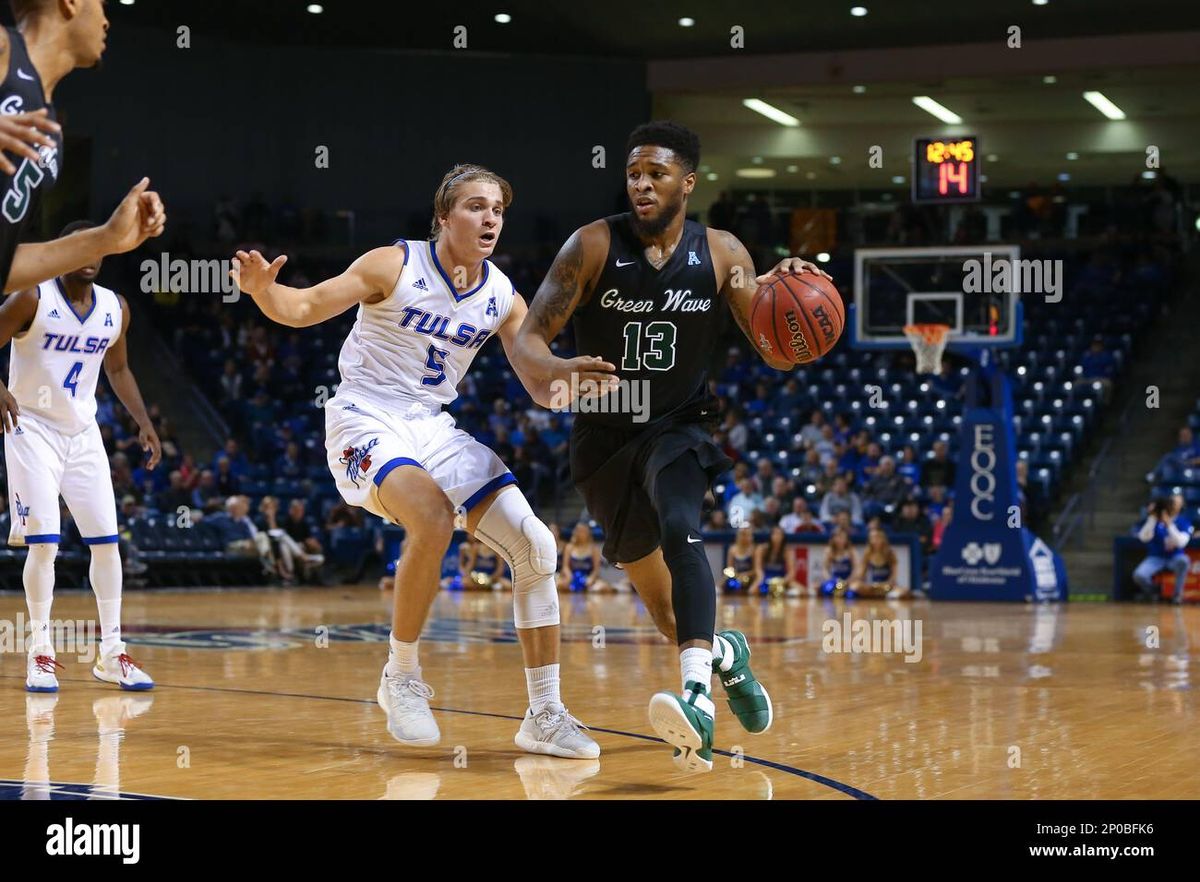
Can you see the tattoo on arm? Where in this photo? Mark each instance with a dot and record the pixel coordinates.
(552, 305)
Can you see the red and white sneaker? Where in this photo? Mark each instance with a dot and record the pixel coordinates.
(39, 671)
(117, 667)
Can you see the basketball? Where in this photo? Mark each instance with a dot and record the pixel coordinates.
(798, 316)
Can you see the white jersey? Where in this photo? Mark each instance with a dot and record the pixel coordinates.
(55, 363)
(414, 346)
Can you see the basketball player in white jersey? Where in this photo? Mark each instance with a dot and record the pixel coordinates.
(61, 332)
(424, 310)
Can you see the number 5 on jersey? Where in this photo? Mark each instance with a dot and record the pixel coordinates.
(435, 366)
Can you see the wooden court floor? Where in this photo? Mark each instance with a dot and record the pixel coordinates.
(269, 694)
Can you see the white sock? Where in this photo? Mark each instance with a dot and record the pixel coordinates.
(724, 654)
(542, 684)
(402, 658)
(38, 578)
(104, 572)
(696, 665)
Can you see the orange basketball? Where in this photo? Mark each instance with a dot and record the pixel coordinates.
(798, 316)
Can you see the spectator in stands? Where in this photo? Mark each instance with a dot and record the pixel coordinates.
(737, 430)
(225, 480)
(238, 464)
(736, 370)
(764, 474)
(175, 496)
(1185, 455)
(743, 503)
(781, 489)
(945, 516)
(810, 471)
(343, 515)
(1098, 365)
(302, 527)
(205, 491)
(286, 551)
(938, 471)
(842, 430)
(886, 490)
(936, 502)
(290, 465)
(909, 466)
(231, 383)
(800, 519)
(813, 431)
(790, 399)
(828, 447)
(868, 465)
(760, 404)
(717, 520)
(829, 475)
(910, 520)
(240, 536)
(1166, 534)
(840, 499)
(771, 509)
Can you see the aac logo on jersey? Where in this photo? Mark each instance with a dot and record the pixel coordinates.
(357, 460)
(491, 309)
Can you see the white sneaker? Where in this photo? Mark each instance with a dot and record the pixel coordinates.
(39, 671)
(117, 667)
(405, 700)
(555, 732)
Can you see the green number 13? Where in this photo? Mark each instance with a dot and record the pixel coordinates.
(659, 354)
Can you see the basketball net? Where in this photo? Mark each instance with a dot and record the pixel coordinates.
(928, 342)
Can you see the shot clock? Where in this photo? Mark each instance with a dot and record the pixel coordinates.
(946, 169)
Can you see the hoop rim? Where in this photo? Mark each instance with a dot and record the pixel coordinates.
(930, 333)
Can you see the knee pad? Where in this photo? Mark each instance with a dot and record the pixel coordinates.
(513, 531)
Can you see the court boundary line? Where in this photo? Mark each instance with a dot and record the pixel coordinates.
(833, 784)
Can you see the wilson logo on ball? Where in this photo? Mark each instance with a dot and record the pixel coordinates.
(798, 344)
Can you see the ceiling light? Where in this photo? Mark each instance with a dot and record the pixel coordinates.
(770, 112)
(503, 17)
(686, 22)
(755, 172)
(943, 113)
(1101, 103)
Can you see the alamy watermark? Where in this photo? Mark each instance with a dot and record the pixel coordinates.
(589, 396)
(1006, 275)
(75, 637)
(192, 276)
(850, 635)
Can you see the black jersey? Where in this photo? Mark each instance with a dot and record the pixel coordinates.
(658, 326)
(21, 193)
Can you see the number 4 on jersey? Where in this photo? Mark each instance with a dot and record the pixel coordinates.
(72, 379)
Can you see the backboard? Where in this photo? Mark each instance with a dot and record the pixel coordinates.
(964, 287)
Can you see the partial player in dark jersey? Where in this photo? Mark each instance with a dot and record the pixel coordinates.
(52, 38)
(645, 289)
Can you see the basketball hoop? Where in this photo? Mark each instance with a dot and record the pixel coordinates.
(928, 342)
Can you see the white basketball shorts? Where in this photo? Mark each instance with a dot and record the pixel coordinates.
(41, 463)
(363, 444)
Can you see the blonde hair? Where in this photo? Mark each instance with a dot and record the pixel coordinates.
(447, 191)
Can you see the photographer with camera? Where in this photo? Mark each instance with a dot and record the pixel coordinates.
(1166, 534)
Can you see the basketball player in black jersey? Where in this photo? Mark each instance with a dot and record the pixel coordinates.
(52, 38)
(645, 290)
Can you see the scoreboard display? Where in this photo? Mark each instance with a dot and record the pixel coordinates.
(946, 170)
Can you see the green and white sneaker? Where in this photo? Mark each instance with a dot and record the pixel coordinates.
(748, 699)
(686, 723)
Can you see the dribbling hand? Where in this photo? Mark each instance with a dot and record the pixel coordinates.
(793, 265)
